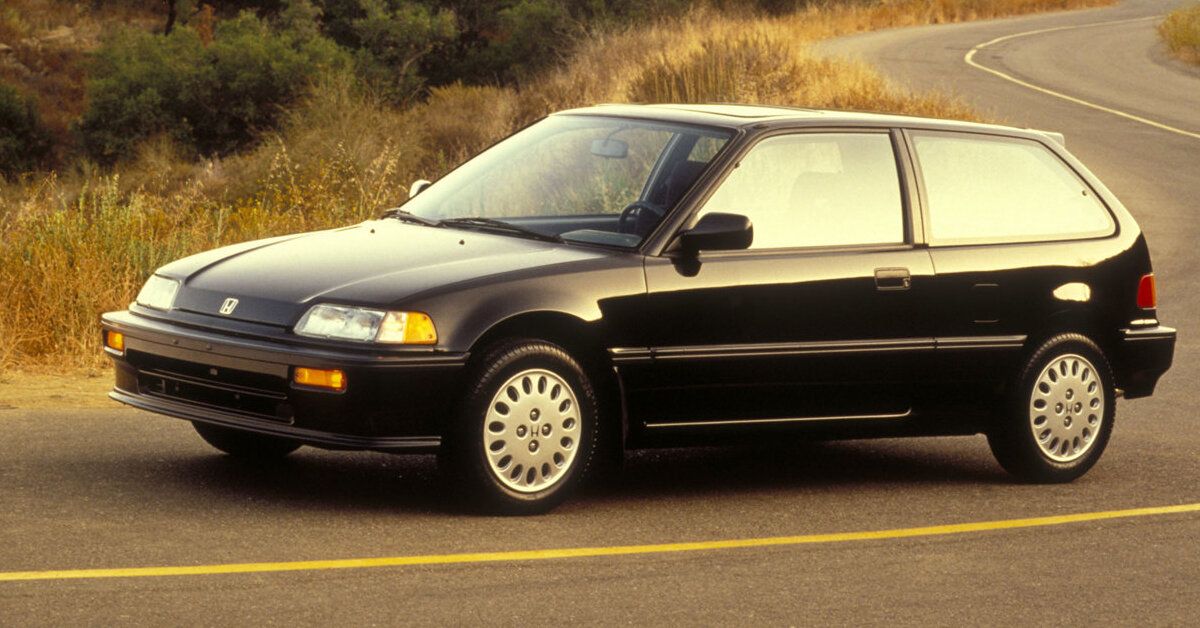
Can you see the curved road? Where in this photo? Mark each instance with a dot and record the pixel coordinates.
(118, 488)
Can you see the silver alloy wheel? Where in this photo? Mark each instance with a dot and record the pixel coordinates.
(531, 431)
(1066, 408)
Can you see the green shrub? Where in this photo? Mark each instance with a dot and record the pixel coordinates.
(394, 40)
(535, 33)
(24, 143)
(212, 97)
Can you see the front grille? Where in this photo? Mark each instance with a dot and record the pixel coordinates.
(243, 392)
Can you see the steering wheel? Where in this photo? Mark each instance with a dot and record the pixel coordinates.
(631, 216)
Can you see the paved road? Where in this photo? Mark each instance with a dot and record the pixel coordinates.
(119, 488)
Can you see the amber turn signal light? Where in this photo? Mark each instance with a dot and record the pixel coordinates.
(115, 340)
(331, 379)
(410, 328)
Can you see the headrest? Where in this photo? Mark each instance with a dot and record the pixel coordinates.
(683, 175)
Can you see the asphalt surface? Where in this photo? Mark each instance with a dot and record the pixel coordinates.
(95, 489)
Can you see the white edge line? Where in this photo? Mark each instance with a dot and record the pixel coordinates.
(969, 58)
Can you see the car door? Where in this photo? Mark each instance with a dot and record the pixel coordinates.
(816, 320)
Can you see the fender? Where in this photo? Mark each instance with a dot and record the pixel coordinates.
(604, 291)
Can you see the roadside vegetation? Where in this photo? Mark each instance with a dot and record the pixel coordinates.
(1181, 31)
(259, 118)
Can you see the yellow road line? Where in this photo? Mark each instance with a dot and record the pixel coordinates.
(970, 60)
(588, 552)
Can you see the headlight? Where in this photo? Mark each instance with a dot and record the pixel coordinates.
(158, 293)
(367, 325)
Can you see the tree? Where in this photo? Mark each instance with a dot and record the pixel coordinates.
(172, 11)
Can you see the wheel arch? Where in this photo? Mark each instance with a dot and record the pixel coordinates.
(1066, 321)
(581, 339)
(1072, 321)
(578, 336)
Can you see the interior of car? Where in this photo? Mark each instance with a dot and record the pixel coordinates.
(672, 177)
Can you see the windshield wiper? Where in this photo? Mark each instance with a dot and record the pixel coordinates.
(500, 225)
(406, 216)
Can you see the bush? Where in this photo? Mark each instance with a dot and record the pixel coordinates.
(24, 143)
(394, 41)
(340, 153)
(458, 121)
(1181, 30)
(213, 97)
(515, 40)
(511, 40)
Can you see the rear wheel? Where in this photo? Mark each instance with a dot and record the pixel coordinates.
(527, 431)
(1060, 415)
(244, 445)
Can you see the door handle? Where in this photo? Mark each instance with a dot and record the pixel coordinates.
(892, 279)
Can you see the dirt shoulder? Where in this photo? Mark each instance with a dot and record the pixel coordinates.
(83, 388)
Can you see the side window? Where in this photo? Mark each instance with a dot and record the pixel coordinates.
(816, 189)
(989, 189)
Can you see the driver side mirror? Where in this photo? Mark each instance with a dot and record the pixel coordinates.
(718, 232)
(418, 186)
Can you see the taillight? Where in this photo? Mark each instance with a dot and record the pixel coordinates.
(1147, 297)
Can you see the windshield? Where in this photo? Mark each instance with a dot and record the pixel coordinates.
(581, 178)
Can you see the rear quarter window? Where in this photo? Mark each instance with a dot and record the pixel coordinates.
(988, 189)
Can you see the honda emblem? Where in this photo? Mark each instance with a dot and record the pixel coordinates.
(228, 305)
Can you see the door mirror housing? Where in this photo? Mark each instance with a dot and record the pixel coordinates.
(718, 232)
(418, 186)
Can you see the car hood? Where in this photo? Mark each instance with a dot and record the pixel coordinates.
(377, 263)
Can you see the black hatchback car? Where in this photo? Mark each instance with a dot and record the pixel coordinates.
(633, 276)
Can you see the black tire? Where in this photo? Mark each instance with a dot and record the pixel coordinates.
(245, 445)
(1015, 436)
(475, 477)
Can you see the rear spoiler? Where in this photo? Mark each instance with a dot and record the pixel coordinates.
(1057, 138)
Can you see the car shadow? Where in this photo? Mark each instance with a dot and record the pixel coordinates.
(803, 464)
(316, 480)
(342, 482)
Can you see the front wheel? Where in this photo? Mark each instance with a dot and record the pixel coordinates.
(1060, 415)
(527, 430)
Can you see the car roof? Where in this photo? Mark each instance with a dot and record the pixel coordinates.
(763, 116)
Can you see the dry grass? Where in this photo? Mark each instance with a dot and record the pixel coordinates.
(1181, 31)
(74, 246)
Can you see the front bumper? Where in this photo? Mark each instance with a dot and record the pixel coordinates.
(393, 401)
(1142, 356)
